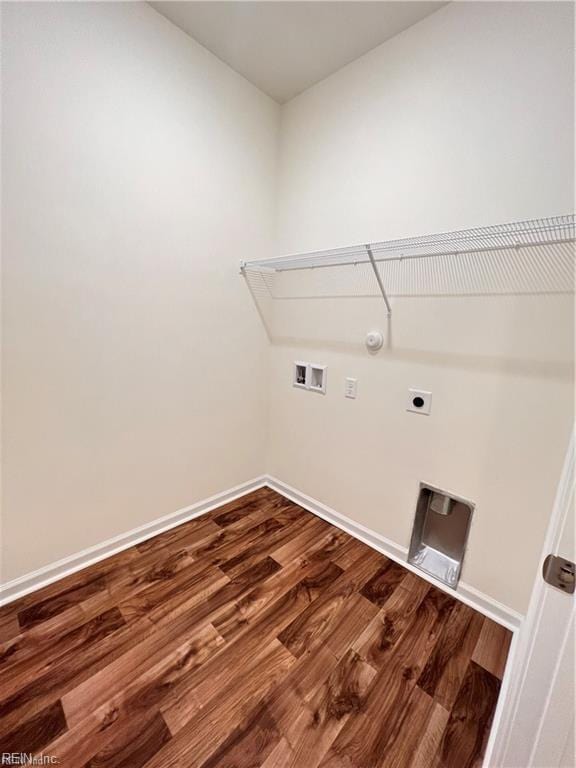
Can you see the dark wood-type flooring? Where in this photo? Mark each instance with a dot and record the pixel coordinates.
(256, 636)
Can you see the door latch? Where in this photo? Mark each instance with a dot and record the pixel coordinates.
(559, 573)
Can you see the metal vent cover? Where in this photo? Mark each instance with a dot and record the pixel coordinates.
(440, 534)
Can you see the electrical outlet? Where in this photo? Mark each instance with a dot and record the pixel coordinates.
(419, 401)
(350, 388)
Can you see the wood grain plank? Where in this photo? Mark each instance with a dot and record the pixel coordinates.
(331, 546)
(427, 752)
(39, 637)
(243, 610)
(34, 733)
(365, 739)
(279, 509)
(339, 634)
(260, 546)
(230, 543)
(401, 748)
(189, 535)
(118, 676)
(445, 670)
(378, 640)
(316, 725)
(69, 672)
(142, 695)
(41, 691)
(280, 756)
(289, 513)
(45, 642)
(467, 729)
(352, 551)
(209, 604)
(383, 583)
(9, 627)
(300, 685)
(110, 740)
(132, 576)
(249, 744)
(191, 585)
(48, 608)
(71, 582)
(255, 636)
(134, 745)
(78, 745)
(198, 689)
(262, 500)
(492, 648)
(298, 544)
(313, 624)
(28, 668)
(200, 730)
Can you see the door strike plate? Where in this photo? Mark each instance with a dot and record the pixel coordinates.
(559, 573)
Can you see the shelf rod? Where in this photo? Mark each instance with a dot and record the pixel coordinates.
(452, 252)
(379, 279)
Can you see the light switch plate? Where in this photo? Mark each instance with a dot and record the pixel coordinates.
(419, 401)
(350, 388)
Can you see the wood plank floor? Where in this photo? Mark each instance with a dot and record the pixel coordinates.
(257, 636)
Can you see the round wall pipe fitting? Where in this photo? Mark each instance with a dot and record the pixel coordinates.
(374, 340)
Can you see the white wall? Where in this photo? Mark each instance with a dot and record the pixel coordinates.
(137, 170)
(465, 119)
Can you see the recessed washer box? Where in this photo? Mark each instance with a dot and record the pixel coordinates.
(317, 378)
(309, 376)
(440, 534)
(419, 401)
(300, 374)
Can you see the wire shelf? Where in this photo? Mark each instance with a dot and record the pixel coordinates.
(521, 257)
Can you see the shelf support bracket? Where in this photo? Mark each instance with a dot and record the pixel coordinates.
(379, 279)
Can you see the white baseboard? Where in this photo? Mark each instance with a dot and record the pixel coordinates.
(467, 594)
(30, 582)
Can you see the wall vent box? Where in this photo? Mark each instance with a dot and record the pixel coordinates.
(440, 534)
(300, 375)
(317, 378)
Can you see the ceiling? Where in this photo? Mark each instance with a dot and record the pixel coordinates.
(285, 47)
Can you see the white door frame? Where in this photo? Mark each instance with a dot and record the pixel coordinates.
(520, 713)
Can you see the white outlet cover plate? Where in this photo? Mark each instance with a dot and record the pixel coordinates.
(425, 396)
(350, 388)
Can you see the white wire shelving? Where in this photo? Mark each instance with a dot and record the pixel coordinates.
(532, 254)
